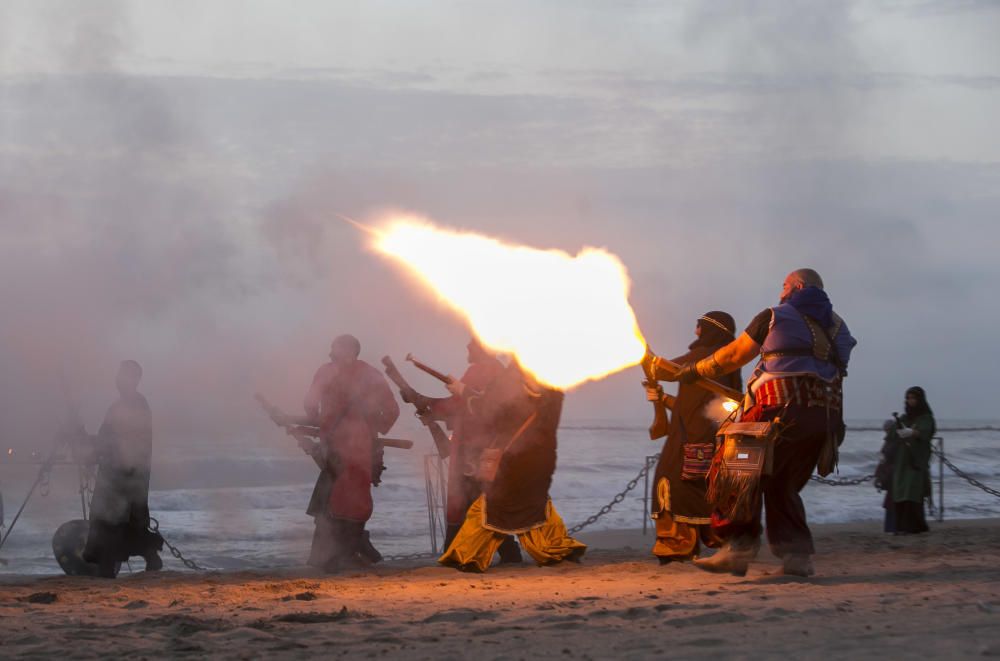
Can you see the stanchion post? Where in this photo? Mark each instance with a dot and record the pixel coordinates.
(941, 479)
(645, 500)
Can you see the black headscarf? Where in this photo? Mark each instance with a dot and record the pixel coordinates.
(922, 407)
(717, 330)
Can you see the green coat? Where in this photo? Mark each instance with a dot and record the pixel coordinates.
(911, 478)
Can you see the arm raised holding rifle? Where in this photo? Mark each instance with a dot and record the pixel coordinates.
(470, 431)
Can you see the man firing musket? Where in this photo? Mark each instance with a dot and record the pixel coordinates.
(348, 405)
(471, 432)
(679, 507)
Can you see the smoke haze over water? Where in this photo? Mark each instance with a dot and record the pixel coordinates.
(168, 194)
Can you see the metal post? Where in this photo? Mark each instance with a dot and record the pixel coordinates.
(940, 478)
(645, 500)
(429, 489)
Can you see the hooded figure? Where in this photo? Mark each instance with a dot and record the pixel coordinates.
(119, 509)
(682, 515)
(908, 446)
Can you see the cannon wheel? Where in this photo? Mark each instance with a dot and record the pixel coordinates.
(68, 544)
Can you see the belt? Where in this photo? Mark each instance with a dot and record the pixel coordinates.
(800, 390)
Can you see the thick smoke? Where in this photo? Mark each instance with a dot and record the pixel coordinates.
(189, 222)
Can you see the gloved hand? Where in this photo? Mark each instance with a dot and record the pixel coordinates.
(888, 425)
(456, 387)
(687, 373)
(654, 394)
(906, 432)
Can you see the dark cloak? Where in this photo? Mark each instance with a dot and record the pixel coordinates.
(516, 499)
(119, 509)
(691, 426)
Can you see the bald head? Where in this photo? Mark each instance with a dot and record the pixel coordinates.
(800, 279)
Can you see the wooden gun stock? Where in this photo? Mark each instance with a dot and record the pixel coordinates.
(410, 396)
(443, 378)
(659, 427)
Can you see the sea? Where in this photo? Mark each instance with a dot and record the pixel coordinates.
(233, 506)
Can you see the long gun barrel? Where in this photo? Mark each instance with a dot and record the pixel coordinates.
(302, 432)
(708, 384)
(410, 396)
(443, 378)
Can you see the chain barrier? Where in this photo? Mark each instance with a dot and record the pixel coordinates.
(154, 526)
(965, 476)
(619, 497)
(843, 482)
(409, 556)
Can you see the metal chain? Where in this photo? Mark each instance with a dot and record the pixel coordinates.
(619, 497)
(154, 526)
(843, 482)
(965, 476)
(410, 556)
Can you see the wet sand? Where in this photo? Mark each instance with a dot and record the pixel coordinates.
(874, 596)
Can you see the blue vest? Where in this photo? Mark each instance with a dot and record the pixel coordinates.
(789, 332)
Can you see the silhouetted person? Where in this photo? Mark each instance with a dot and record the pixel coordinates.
(908, 451)
(682, 514)
(471, 433)
(351, 403)
(119, 511)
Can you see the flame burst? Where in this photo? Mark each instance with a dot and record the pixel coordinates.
(566, 319)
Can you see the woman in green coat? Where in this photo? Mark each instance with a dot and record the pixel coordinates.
(910, 439)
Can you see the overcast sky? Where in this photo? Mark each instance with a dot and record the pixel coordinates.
(170, 171)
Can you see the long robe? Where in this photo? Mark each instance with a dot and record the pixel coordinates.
(525, 423)
(692, 429)
(357, 405)
(119, 510)
(516, 501)
(911, 471)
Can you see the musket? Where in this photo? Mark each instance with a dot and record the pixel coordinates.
(660, 421)
(303, 431)
(706, 384)
(411, 396)
(443, 378)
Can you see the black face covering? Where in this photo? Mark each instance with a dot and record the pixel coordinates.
(717, 330)
(921, 407)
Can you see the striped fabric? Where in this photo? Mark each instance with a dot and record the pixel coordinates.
(800, 390)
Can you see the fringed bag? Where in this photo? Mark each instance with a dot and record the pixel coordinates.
(745, 454)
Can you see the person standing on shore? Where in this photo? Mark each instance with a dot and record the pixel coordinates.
(804, 349)
(682, 514)
(471, 433)
(909, 439)
(516, 472)
(119, 509)
(351, 403)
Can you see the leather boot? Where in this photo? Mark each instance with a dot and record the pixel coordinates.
(797, 564)
(727, 560)
(510, 552)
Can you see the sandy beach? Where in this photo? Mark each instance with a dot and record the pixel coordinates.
(874, 595)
